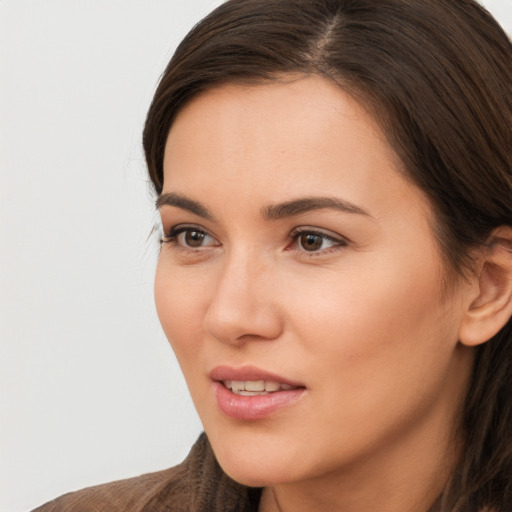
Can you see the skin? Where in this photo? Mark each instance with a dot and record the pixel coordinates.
(362, 320)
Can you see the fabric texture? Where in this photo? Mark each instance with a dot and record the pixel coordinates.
(198, 484)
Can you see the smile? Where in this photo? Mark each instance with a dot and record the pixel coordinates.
(255, 387)
(251, 394)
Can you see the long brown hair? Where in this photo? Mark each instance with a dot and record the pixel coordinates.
(437, 75)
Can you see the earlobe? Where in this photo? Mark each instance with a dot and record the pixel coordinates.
(490, 308)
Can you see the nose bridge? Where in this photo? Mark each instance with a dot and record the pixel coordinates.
(242, 306)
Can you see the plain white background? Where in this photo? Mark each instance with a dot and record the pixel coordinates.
(89, 388)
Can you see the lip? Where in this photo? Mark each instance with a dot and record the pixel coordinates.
(250, 373)
(252, 408)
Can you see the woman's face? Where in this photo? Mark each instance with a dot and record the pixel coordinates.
(299, 269)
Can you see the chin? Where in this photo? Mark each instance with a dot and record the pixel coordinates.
(256, 460)
(255, 473)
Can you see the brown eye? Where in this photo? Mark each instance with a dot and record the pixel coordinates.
(194, 238)
(311, 242)
(189, 238)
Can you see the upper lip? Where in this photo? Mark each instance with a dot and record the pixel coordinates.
(223, 373)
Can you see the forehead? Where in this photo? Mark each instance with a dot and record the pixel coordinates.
(300, 112)
(305, 132)
(309, 103)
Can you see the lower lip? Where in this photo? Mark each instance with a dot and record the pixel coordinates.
(254, 407)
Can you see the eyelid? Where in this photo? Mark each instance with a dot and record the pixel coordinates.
(337, 239)
(170, 235)
(319, 231)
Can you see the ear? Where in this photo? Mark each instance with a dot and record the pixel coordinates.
(490, 304)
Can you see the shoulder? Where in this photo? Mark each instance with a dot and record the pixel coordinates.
(198, 484)
(131, 494)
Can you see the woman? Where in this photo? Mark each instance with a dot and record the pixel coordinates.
(334, 179)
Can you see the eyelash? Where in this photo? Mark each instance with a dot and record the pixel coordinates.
(337, 241)
(172, 238)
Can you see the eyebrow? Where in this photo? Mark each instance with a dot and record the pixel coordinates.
(270, 212)
(171, 199)
(307, 204)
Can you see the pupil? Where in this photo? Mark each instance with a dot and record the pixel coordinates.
(311, 242)
(194, 238)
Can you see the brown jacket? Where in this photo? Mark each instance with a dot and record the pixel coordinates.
(198, 484)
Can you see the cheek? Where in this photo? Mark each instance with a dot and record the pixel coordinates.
(179, 310)
(376, 351)
(380, 327)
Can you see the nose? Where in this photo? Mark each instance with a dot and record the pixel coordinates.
(244, 304)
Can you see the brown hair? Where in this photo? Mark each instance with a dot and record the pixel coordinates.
(437, 74)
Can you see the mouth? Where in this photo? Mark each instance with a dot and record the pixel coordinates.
(249, 393)
(249, 379)
(255, 387)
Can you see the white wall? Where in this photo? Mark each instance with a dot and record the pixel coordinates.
(89, 388)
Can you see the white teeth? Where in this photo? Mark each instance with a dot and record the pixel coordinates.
(272, 386)
(254, 387)
(237, 386)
